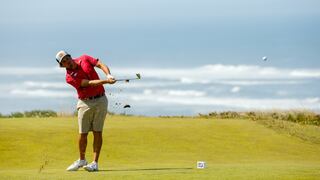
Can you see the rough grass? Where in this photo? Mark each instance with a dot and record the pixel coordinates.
(305, 132)
(304, 117)
(156, 148)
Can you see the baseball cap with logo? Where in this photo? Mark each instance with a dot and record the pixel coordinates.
(60, 55)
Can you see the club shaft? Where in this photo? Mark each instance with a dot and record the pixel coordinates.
(126, 79)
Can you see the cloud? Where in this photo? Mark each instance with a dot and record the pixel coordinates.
(257, 82)
(203, 74)
(305, 73)
(176, 93)
(235, 89)
(158, 83)
(40, 93)
(313, 100)
(154, 97)
(209, 73)
(210, 86)
(39, 84)
(146, 84)
(282, 93)
(29, 71)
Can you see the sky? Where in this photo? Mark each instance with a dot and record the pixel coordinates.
(194, 56)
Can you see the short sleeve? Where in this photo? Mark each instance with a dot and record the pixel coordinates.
(76, 83)
(93, 61)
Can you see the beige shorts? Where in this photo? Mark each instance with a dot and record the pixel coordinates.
(91, 114)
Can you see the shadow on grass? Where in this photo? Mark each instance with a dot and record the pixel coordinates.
(146, 169)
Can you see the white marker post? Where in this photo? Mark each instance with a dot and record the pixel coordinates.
(201, 165)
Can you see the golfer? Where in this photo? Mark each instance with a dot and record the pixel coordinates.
(92, 104)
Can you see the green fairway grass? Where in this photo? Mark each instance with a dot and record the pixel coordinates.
(156, 148)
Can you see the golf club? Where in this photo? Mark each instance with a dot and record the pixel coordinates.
(137, 77)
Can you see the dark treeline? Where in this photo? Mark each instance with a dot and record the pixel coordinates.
(33, 113)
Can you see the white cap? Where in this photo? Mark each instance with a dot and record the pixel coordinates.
(60, 55)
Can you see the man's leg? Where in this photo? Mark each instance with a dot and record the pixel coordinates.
(82, 149)
(97, 143)
(83, 145)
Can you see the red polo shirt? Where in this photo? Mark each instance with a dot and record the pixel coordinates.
(84, 70)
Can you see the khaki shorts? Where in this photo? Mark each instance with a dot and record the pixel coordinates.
(91, 114)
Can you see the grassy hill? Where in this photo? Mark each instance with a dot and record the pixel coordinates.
(156, 148)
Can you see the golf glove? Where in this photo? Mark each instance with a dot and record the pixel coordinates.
(109, 76)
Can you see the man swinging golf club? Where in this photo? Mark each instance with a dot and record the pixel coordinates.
(92, 104)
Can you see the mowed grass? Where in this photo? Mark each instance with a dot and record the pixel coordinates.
(156, 148)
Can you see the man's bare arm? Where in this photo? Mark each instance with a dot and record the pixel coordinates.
(97, 82)
(103, 67)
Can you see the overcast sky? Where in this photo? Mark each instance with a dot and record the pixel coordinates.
(164, 33)
(194, 55)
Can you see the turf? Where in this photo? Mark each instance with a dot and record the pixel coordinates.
(156, 148)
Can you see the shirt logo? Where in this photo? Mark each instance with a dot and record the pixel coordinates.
(74, 74)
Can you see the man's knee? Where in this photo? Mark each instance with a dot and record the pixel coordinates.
(83, 136)
(97, 135)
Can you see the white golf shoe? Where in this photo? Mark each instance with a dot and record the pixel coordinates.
(77, 164)
(91, 167)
